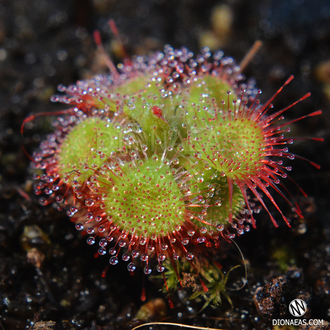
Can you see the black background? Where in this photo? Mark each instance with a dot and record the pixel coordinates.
(45, 43)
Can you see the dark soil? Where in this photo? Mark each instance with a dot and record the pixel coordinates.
(44, 43)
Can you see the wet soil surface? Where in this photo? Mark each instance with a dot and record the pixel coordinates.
(59, 284)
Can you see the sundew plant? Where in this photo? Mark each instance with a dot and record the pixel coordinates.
(165, 157)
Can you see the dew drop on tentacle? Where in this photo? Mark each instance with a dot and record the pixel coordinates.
(113, 260)
(90, 240)
(79, 226)
(131, 267)
(126, 257)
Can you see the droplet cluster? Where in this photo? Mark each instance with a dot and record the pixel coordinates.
(163, 157)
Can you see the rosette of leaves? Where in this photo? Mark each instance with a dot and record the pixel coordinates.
(164, 157)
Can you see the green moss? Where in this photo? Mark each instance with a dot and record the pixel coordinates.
(284, 256)
(197, 276)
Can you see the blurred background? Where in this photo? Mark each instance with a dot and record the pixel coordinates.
(46, 43)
